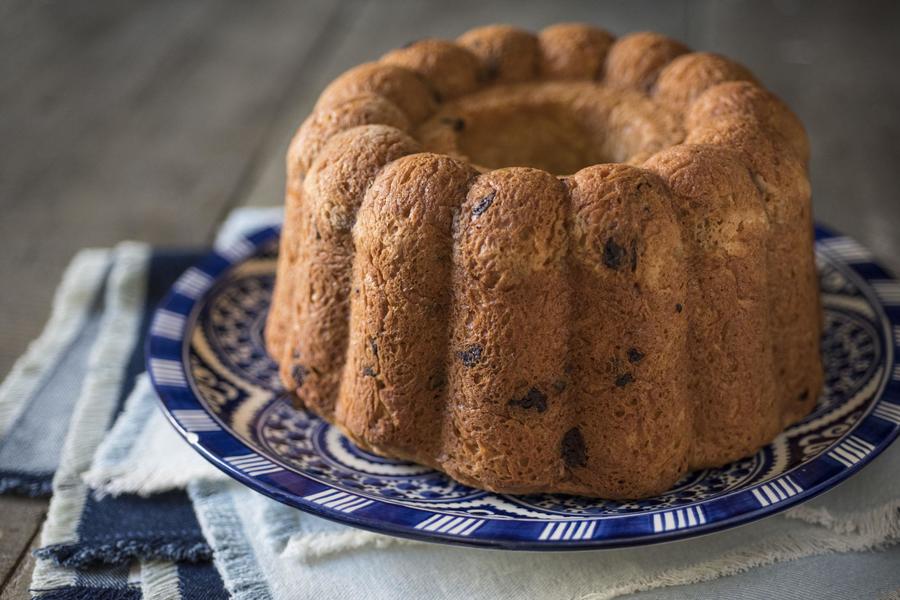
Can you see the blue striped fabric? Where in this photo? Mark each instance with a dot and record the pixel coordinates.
(30, 448)
(116, 530)
(200, 581)
(116, 537)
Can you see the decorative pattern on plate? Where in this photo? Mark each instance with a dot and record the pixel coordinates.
(221, 390)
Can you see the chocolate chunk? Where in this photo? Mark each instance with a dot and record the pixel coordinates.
(635, 356)
(613, 254)
(368, 372)
(803, 395)
(484, 204)
(373, 346)
(624, 379)
(535, 398)
(678, 308)
(298, 373)
(455, 123)
(471, 356)
(573, 449)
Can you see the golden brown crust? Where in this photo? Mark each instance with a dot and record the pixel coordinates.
(725, 229)
(395, 371)
(406, 90)
(314, 353)
(533, 330)
(279, 319)
(508, 333)
(635, 60)
(748, 102)
(507, 54)
(627, 352)
(573, 51)
(450, 69)
(689, 75)
(793, 285)
(328, 120)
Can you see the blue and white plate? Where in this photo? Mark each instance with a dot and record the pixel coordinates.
(221, 392)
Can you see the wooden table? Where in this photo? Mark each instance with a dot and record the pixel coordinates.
(131, 120)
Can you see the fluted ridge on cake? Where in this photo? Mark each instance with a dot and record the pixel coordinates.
(597, 319)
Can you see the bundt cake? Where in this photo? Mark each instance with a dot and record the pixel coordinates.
(560, 262)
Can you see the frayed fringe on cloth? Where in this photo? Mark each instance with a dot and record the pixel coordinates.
(123, 552)
(310, 547)
(33, 485)
(97, 398)
(89, 593)
(160, 580)
(221, 525)
(138, 454)
(877, 523)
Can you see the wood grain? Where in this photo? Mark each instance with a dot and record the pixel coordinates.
(131, 126)
(128, 120)
(17, 586)
(22, 518)
(123, 121)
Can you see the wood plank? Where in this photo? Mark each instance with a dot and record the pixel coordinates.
(149, 120)
(22, 519)
(127, 124)
(123, 124)
(19, 582)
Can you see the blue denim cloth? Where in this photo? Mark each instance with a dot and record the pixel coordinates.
(116, 530)
(29, 452)
(115, 535)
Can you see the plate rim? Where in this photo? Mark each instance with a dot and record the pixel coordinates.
(171, 384)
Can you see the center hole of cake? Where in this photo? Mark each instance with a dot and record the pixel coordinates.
(555, 126)
(544, 137)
